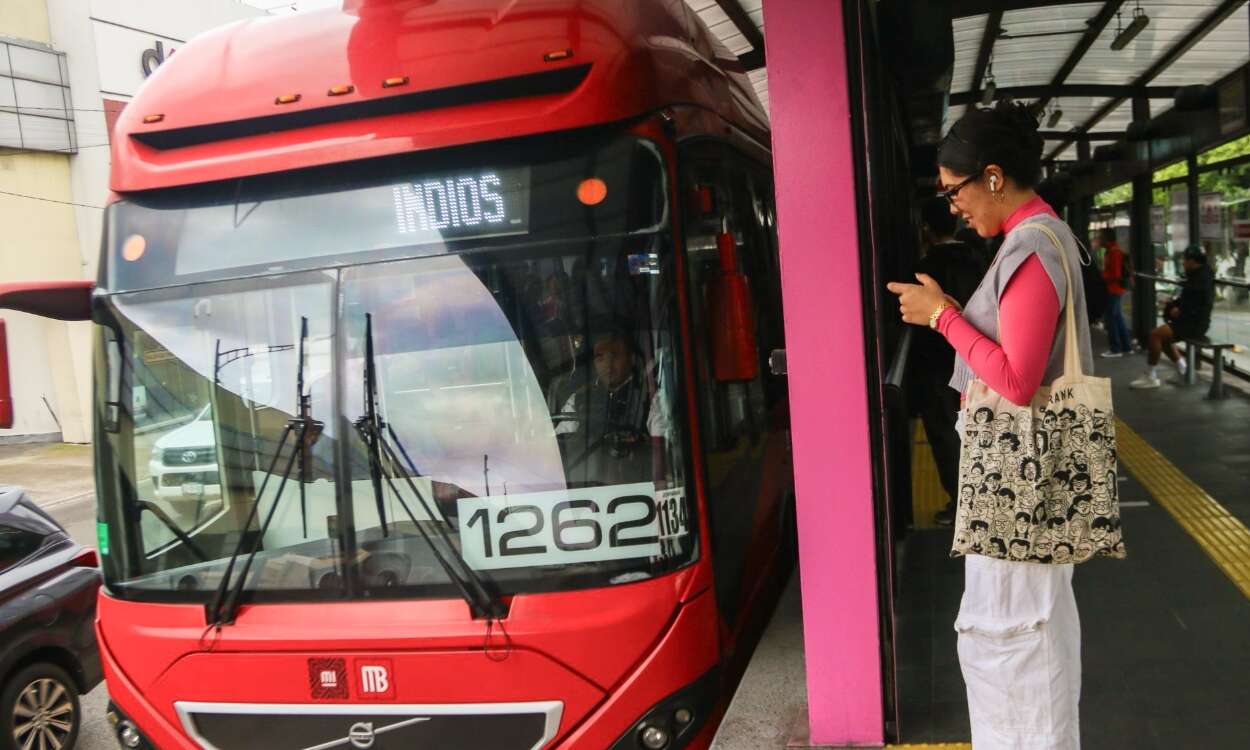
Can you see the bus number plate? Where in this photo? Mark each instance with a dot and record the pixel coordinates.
(594, 524)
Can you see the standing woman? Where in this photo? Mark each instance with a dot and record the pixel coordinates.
(1019, 633)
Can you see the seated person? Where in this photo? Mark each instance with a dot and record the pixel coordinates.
(558, 352)
(1188, 317)
(615, 407)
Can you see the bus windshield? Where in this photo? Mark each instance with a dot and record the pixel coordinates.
(525, 378)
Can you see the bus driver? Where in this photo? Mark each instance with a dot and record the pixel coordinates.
(616, 407)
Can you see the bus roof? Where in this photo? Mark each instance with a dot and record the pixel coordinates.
(389, 76)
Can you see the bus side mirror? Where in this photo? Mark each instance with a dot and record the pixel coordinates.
(61, 300)
(735, 356)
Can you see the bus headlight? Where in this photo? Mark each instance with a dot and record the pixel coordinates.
(674, 721)
(128, 734)
(653, 738)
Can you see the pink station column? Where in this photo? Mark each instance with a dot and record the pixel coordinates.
(820, 274)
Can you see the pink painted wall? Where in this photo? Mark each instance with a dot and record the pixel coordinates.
(812, 156)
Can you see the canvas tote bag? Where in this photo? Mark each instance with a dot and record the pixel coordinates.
(1037, 483)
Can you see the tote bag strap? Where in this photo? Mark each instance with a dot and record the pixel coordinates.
(1071, 344)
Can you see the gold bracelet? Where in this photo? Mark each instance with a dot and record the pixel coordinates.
(937, 313)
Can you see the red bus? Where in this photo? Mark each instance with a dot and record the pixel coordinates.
(433, 398)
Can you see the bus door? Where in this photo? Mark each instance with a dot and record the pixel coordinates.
(731, 254)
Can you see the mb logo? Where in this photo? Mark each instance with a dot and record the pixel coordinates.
(376, 678)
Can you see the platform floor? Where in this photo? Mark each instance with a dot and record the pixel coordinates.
(1166, 633)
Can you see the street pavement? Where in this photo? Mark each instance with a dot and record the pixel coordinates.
(59, 478)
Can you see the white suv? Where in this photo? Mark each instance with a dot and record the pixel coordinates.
(183, 465)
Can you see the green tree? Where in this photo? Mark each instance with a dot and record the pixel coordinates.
(1118, 194)
(1224, 152)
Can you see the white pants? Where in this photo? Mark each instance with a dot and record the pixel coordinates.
(1020, 653)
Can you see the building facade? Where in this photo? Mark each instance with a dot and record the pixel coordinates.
(67, 68)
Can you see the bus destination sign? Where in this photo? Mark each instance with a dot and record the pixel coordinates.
(487, 203)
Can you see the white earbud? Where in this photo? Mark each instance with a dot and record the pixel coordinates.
(993, 182)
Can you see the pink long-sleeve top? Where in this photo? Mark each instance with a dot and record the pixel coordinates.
(1027, 311)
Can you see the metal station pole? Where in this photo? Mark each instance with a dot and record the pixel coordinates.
(1191, 182)
(1142, 249)
(1083, 203)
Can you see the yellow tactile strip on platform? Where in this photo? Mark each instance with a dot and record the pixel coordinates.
(927, 495)
(1220, 534)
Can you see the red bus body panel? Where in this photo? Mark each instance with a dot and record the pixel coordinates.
(574, 646)
(568, 626)
(642, 56)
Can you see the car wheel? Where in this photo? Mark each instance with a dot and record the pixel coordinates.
(39, 710)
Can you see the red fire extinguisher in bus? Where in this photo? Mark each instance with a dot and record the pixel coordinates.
(735, 356)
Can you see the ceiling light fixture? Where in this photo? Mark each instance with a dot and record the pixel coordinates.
(987, 93)
(1126, 34)
(1056, 115)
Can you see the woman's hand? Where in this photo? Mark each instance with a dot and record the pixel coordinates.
(918, 301)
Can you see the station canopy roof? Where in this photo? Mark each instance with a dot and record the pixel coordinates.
(1056, 53)
(1059, 54)
(740, 25)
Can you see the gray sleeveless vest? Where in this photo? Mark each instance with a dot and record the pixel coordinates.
(982, 308)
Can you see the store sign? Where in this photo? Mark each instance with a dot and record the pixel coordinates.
(127, 56)
(153, 56)
(1210, 215)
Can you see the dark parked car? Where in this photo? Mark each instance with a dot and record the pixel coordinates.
(48, 653)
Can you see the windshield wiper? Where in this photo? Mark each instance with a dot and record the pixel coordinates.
(482, 603)
(226, 601)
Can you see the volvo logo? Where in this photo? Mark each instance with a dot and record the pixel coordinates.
(361, 734)
(188, 457)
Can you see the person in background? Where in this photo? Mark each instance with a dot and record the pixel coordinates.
(1095, 289)
(1116, 271)
(1188, 317)
(957, 267)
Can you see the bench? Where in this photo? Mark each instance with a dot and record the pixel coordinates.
(1192, 348)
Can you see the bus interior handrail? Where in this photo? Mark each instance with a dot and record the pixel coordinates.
(1240, 284)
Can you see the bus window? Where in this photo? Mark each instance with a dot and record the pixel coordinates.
(742, 422)
(207, 439)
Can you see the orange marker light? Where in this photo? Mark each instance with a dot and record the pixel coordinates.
(153, 118)
(560, 54)
(394, 81)
(592, 191)
(346, 88)
(287, 99)
(134, 247)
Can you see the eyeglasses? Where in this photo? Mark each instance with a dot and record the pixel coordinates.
(950, 194)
